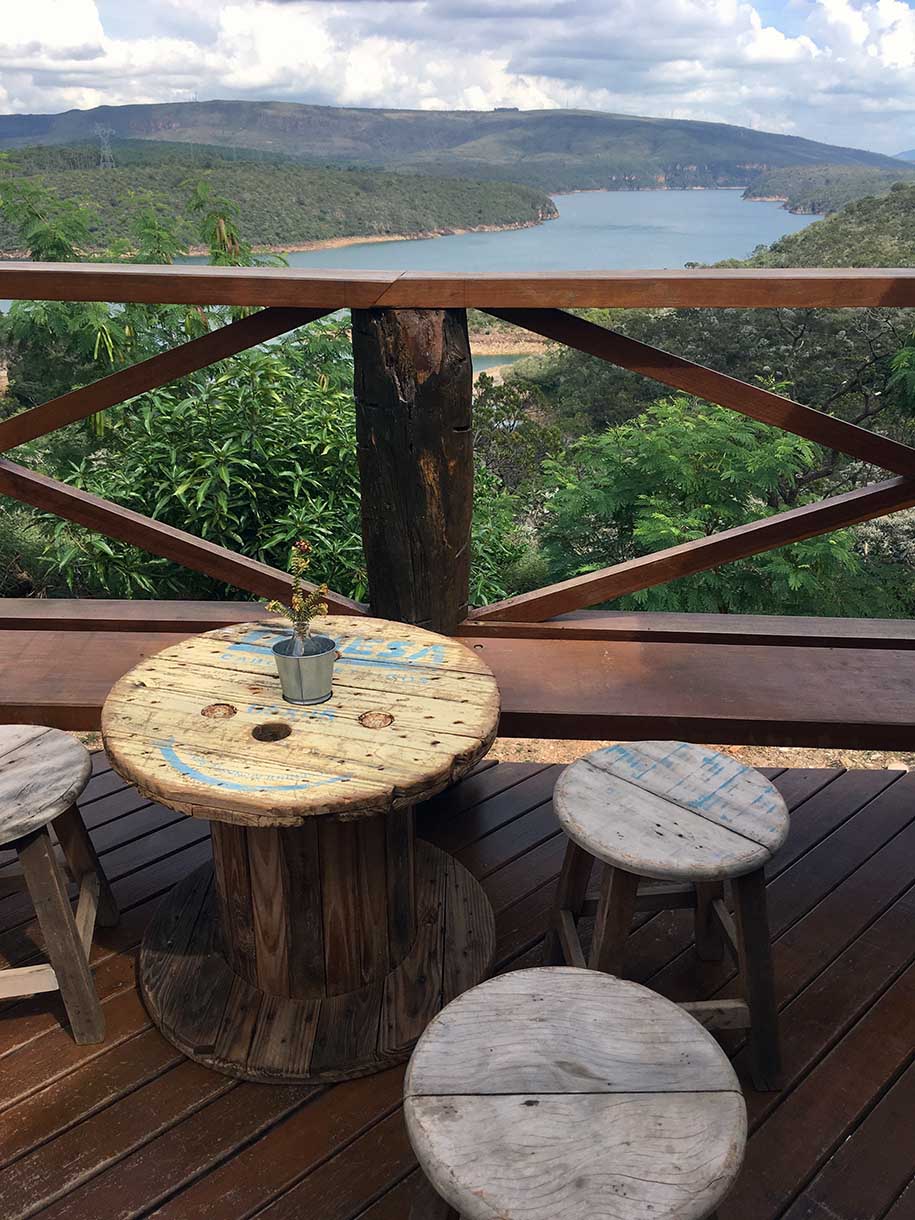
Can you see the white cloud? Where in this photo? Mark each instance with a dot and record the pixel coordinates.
(840, 70)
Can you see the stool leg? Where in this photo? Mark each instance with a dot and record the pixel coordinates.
(755, 952)
(613, 924)
(573, 886)
(709, 937)
(48, 891)
(82, 859)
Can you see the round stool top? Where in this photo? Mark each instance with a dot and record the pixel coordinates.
(565, 1094)
(42, 772)
(203, 726)
(671, 811)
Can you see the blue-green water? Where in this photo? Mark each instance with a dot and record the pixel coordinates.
(596, 230)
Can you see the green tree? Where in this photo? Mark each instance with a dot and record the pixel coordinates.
(684, 470)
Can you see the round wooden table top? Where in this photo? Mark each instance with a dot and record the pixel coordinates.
(42, 772)
(559, 1094)
(203, 726)
(671, 811)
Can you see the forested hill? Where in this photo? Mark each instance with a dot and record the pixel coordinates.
(279, 203)
(822, 189)
(873, 232)
(551, 149)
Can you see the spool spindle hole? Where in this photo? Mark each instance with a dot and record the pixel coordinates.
(375, 720)
(274, 730)
(219, 711)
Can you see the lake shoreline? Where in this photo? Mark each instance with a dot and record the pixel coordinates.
(338, 243)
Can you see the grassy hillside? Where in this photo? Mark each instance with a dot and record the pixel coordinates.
(821, 189)
(873, 232)
(550, 149)
(279, 202)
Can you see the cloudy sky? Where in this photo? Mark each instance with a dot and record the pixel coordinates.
(836, 70)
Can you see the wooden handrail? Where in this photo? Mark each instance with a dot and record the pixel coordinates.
(295, 296)
(304, 288)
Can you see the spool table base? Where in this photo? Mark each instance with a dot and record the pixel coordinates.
(219, 1019)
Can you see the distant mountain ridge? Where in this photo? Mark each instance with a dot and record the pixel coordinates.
(554, 150)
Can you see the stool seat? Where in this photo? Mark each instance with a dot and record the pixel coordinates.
(42, 772)
(671, 811)
(564, 1094)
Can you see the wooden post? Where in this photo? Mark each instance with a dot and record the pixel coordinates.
(413, 388)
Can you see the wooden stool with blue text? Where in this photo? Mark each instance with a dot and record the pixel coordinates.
(688, 819)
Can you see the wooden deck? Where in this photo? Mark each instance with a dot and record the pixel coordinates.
(131, 1129)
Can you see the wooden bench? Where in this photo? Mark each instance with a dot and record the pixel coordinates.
(836, 683)
(562, 1094)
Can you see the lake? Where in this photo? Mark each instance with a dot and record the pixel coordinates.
(596, 230)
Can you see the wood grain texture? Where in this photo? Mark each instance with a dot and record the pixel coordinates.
(657, 627)
(701, 554)
(138, 614)
(442, 701)
(216, 1017)
(582, 689)
(564, 1031)
(149, 374)
(42, 772)
(671, 811)
(548, 1157)
(63, 942)
(680, 374)
(559, 1093)
(827, 288)
(413, 383)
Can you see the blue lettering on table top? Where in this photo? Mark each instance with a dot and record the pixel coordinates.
(400, 660)
(216, 774)
(706, 791)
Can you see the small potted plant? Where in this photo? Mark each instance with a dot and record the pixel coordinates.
(304, 661)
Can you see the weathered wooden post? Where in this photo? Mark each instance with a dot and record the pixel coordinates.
(413, 388)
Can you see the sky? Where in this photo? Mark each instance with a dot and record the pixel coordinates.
(842, 71)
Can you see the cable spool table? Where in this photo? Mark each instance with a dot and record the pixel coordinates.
(325, 936)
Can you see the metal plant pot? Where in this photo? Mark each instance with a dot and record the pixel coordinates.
(306, 678)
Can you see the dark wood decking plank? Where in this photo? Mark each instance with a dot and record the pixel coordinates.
(283, 1156)
(156, 1168)
(363, 1171)
(74, 1098)
(195, 1160)
(29, 1019)
(826, 1107)
(59, 1167)
(904, 1207)
(474, 822)
(661, 952)
(885, 1143)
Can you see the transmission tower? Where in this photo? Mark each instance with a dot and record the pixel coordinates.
(105, 153)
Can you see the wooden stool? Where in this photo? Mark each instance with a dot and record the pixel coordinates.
(692, 819)
(563, 1094)
(42, 772)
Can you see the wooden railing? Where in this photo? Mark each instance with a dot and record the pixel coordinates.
(413, 387)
